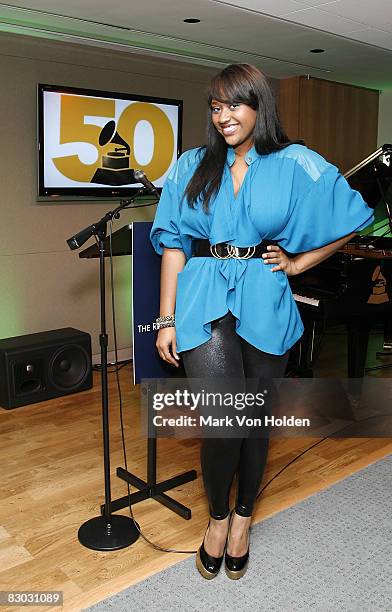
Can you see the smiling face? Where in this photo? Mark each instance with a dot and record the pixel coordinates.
(235, 122)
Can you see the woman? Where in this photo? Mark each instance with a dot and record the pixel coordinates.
(249, 197)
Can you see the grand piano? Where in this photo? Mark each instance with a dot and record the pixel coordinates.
(354, 285)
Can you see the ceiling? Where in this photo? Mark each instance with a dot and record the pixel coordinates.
(276, 35)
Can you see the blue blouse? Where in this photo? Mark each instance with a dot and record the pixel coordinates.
(294, 196)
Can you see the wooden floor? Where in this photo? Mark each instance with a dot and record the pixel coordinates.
(52, 481)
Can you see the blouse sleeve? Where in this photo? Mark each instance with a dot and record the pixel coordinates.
(165, 228)
(327, 211)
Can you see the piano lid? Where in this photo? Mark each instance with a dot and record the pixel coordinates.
(372, 177)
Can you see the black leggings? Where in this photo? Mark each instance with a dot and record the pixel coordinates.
(228, 355)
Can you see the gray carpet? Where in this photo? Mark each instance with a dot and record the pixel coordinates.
(329, 553)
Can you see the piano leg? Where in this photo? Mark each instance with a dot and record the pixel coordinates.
(307, 348)
(358, 330)
(387, 344)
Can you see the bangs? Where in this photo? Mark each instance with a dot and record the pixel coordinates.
(227, 87)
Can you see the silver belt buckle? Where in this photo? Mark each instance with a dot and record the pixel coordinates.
(235, 252)
(214, 252)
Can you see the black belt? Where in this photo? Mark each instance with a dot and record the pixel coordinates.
(223, 250)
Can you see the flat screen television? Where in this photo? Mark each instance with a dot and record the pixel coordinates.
(90, 142)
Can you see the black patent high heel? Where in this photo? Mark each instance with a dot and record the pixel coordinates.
(236, 566)
(208, 565)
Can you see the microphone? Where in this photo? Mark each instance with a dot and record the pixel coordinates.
(142, 178)
(81, 237)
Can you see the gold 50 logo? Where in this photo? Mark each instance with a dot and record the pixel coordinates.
(114, 141)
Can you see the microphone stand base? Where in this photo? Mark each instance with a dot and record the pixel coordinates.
(98, 534)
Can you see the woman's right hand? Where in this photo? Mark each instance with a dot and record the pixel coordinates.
(166, 340)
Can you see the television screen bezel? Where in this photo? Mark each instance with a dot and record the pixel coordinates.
(88, 193)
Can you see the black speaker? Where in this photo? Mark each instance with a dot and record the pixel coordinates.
(37, 367)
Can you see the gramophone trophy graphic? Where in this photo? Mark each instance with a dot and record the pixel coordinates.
(115, 168)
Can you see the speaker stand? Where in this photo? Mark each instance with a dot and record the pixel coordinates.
(151, 488)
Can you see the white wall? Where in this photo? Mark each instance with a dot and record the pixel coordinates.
(385, 117)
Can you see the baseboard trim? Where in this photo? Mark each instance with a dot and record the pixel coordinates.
(122, 355)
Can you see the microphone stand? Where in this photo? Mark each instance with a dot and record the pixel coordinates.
(108, 531)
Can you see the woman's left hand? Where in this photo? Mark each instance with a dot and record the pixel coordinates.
(278, 257)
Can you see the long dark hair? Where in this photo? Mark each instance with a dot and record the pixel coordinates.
(236, 83)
